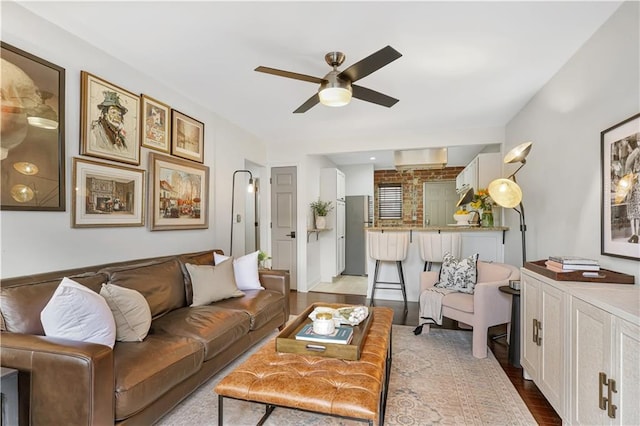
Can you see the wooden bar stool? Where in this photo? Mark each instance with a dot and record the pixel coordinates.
(433, 246)
(389, 247)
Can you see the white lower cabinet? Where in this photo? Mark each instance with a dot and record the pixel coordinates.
(605, 382)
(543, 349)
(580, 344)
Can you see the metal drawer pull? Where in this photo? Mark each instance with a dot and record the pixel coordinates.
(316, 348)
(611, 412)
(538, 337)
(535, 331)
(602, 401)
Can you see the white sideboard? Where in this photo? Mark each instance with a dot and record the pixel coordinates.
(580, 343)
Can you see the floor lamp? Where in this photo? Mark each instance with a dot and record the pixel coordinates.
(507, 193)
(233, 193)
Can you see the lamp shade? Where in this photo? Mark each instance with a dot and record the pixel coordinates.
(519, 153)
(334, 91)
(505, 192)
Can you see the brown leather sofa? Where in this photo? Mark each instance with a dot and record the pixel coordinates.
(69, 382)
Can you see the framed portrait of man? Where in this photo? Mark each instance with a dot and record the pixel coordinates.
(109, 120)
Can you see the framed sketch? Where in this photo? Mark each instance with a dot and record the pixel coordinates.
(621, 189)
(180, 193)
(109, 121)
(156, 122)
(187, 137)
(107, 195)
(32, 132)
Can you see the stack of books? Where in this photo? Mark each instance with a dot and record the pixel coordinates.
(571, 263)
(342, 335)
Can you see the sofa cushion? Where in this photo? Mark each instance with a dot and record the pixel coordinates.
(245, 269)
(146, 370)
(214, 327)
(22, 304)
(212, 283)
(160, 282)
(77, 313)
(130, 311)
(261, 305)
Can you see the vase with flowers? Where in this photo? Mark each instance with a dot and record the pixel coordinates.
(483, 202)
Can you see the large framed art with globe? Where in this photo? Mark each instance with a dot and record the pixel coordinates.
(31, 132)
(109, 120)
(621, 189)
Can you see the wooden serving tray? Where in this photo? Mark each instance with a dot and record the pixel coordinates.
(286, 340)
(608, 277)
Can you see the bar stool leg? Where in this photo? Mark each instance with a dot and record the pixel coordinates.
(375, 282)
(404, 292)
(427, 265)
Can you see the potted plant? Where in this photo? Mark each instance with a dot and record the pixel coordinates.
(262, 259)
(320, 211)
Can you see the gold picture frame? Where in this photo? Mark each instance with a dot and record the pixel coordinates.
(33, 132)
(156, 124)
(180, 193)
(187, 137)
(109, 121)
(107, 195)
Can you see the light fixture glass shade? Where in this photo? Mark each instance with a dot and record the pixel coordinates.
(335, 96)
(505, 192)
(519, 153)
(26, 168)
(22, 193)
(250, 187)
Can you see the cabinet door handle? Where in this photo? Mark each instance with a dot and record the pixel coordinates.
(611, 411)
(535, 331)
(538, 337)
(602, 401)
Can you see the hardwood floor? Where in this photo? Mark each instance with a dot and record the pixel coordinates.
(542, 411)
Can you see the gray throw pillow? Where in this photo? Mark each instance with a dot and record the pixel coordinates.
(459, 275)
(213, 283)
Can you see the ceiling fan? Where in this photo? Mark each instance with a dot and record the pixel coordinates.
(337, 88)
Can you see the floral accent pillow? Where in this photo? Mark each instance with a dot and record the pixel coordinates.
(459, 275)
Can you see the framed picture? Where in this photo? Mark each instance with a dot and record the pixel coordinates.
(109, 121)
(187, 137)
(621, 189)
(32, 132)
(107, 195)
(156, 122)
(180, 192)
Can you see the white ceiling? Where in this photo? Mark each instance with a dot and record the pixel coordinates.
(465, 65)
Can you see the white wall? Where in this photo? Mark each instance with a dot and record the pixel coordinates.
(597, 88)
(359, 179)
(35, 242)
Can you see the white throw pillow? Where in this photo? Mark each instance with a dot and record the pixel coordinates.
(460, 275)
(212, 283)
(245, 269)
(78, 313)
(130, 310)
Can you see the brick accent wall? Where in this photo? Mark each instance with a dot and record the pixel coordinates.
(411, 181)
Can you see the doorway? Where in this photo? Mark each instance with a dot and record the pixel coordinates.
(284, 221)
(439, 203)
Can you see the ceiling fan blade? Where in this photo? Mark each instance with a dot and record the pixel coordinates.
(290, 74)
(310, 103)
(372, 96)
(370, 64)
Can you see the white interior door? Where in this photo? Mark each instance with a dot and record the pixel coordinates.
(439, 201)
(284, 220)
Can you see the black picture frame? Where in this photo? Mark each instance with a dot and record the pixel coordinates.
(33, 143)
(620, 201)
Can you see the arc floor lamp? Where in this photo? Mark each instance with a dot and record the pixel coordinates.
(507, 193)
(250, 188)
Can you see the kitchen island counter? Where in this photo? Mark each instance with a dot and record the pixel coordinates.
(488, 242)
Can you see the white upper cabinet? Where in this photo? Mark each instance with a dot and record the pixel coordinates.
(479, 173)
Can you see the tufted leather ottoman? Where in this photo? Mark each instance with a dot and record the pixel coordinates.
(350, 389)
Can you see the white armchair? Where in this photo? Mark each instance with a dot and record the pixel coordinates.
(486, 307)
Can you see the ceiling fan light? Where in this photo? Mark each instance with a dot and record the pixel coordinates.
(335, 96)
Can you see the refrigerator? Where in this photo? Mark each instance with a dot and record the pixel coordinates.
(359, 214)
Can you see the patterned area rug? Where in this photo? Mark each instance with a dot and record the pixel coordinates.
(434, 380)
